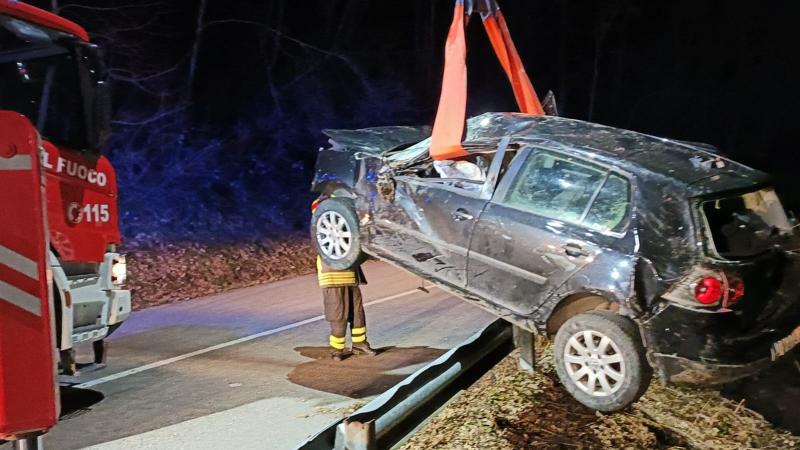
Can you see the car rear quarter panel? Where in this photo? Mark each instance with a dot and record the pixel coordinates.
(668, 242)
(610, 275)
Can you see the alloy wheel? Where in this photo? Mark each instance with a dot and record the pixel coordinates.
(594, 363)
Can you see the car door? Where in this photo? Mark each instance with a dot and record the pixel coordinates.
(537, 231)
(435, 238)
(428, 223)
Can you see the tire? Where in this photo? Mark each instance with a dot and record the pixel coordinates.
(618, 382)
(335, 232)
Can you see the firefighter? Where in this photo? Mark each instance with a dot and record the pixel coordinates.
(342, 299)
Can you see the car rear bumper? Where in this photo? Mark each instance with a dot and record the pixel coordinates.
(678, 370)
(690, 346)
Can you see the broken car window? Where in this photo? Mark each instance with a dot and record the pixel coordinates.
(553, 186)
(465, 173)
(748, 224)
(459, 169)
(610, 209)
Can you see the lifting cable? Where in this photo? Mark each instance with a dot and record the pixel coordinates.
(448, 127)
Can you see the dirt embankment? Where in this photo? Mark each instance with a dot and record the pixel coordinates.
(509, 409)
(172, 272)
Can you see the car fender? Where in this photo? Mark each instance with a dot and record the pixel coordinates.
(612, 280)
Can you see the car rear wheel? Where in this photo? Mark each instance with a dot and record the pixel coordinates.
(334, 229)
(600, 360)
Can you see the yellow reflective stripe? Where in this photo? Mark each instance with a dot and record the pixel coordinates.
(335, 284)
(338, 274)
(326, 279)
(357, 339)
(339, 279)
(361, 330)
(337, 342)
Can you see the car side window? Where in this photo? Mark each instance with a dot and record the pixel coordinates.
(570, 189)
(612, 205)
(468, 173)
(553, 186)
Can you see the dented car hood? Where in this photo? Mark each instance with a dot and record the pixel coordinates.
(377, 140)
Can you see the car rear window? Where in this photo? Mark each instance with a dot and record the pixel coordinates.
(745, 225)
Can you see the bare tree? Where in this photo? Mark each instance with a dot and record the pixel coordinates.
(603, 25)
(198, 35)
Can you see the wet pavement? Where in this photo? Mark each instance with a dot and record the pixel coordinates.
(249, 369)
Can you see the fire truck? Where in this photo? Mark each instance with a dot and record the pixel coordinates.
(52, 75)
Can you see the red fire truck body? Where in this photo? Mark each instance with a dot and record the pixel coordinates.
(53, 75)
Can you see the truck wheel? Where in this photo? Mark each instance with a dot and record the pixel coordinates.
(334, 229)
(600, 360)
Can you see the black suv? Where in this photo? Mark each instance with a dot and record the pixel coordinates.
(636, 252)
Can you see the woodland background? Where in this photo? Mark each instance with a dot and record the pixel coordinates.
(219, 104)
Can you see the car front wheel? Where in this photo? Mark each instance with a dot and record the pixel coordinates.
(334, 229)
(600, 360)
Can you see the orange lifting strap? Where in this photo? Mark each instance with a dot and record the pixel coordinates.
(448, 127)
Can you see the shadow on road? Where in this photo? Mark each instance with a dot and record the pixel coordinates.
(359, 376)
(75, 401)
(774, 393)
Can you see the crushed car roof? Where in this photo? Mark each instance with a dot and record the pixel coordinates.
(701, 170)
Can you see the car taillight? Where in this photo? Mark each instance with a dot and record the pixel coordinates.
(708, 290)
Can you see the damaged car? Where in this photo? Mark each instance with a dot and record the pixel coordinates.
(638, 254)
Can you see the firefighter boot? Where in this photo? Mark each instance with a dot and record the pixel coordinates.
(337, 346)
(363, 348)
(360, 344)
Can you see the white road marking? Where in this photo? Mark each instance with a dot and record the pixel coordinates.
(20, 298)
(19, 262)
(164, 362)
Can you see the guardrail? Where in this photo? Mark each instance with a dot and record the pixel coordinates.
(398, 412)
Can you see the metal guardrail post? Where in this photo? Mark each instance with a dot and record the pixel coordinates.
(351, 435)
(525, 341)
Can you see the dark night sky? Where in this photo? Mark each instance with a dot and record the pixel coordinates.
(270, 74)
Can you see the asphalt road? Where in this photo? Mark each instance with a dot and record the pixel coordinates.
(249, 368)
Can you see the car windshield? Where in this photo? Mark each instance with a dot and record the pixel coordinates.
(746, 225)
(43, 85)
